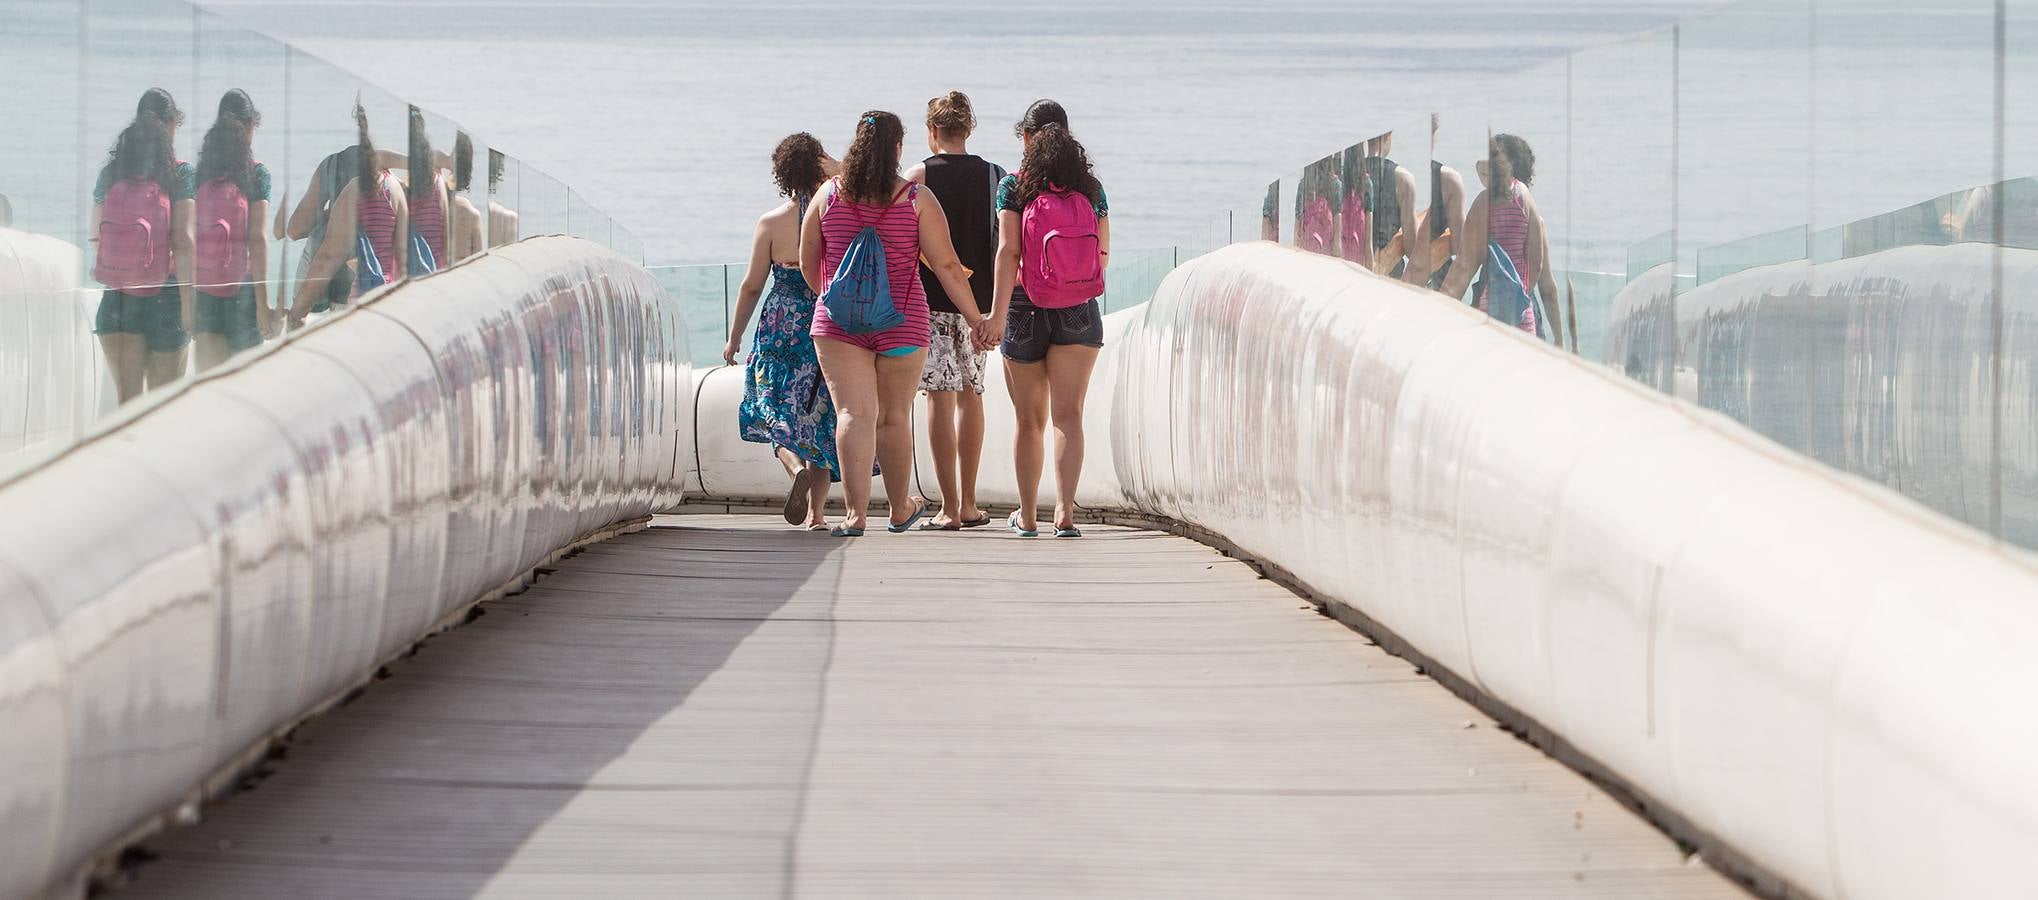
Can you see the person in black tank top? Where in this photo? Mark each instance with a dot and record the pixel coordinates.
(954, 378)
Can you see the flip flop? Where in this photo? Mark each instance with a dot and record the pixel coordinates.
(977, 522)
(1069, 532)
(1012, 522)
(930, 525)
(846, 532)
(821, 527)
(907, 525)
(796, 502)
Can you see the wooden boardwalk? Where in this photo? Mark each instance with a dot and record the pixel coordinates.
(732, 708)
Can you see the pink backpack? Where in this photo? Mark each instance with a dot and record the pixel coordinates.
(134, 238)
(1060, 265)
(222, 239)
(1357, 246)
(1319, 231)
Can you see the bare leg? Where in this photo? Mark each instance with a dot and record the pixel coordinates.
(817, 499)
(165, 368)
(790, 460)
(1028, 385)
(898, 378)
(969, 429)
(1068, 383)
(127, 358)
(941, 439)
(208, 350)
(851, 373)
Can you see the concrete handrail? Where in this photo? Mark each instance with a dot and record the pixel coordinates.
(196, 577)
(1814, 680)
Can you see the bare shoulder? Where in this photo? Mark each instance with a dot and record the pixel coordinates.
(917, 174)
(779, 215)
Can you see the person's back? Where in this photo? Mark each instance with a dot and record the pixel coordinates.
(376, 219)
(428, 218)
(966, 186)
(898, 230)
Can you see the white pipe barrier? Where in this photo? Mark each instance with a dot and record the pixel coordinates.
(1812, 674)
(53, 379)
(207, 570)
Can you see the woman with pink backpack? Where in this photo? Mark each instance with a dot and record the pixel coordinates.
(232, 252)
(142, 250)
(1054, 240)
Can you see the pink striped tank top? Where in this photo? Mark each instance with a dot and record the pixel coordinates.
(1507, 223)
(898, 227)
(428, 219)
(377, 220)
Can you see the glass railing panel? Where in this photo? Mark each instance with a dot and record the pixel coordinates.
(705, 295)
(1134, 275)
(1532, 136)
(1620, 204)
(2016, 372)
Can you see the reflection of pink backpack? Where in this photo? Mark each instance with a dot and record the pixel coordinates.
(134, 238)
(1060, 266)
(1319, 226)
(222, 237)
(1355, 245)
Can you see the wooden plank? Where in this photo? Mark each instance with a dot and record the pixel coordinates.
(734, 708)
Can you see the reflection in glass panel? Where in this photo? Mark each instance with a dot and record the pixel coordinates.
(1620, 233)
(467, 225)
(1531, 135)
(429, 191)
(1897, 347)
(1399, 190)
(1458, 144)
(504, 226)
(240, 78)
(1318, 194)
(1270, 213)
(702, 294)
(2017, 370)
(140, 231)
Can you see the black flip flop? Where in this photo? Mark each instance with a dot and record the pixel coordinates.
(796, 502)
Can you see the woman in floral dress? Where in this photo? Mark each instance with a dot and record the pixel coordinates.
(785, 400)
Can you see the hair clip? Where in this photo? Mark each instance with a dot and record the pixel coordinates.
(870, 120)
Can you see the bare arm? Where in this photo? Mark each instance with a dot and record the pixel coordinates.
(258, 266)
(751, 289)
(302, 217)
(1005, 274)
(1546, 280)
(184, 249)
(917, 174)
(401, 265)
(332, 253)
(937, 248)
(811, 251)
(1470, 248)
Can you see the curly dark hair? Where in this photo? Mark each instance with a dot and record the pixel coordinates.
(228, 151)
(1521, 161)
(1056, 160)
(424, 169)
(796, 165)
(145, 148)
(463, 161)
(872, 163)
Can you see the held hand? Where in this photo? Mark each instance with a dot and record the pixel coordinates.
(989, 332)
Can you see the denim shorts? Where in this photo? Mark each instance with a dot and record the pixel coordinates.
(1030, 330)
(232, 317)
(160, 318)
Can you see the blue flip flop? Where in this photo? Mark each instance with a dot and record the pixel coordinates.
(846, 531)
(1012, 522)
(907, 525)
(1069, 532)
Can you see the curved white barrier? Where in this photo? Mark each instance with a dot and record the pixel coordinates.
(53, 379)
(1881, 365)
(1807, 671)
(265, 537)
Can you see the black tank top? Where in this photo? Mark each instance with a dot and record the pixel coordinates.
(965, 184)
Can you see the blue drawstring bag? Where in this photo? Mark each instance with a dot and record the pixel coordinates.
(368, 267)
(859, 298)
(422, 262)
(1507, 299)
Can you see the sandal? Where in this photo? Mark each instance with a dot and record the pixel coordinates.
(845, 531)
(977, 522)
(796, 502)
(1012, 522)
(903, 527)
(1069, 532)
(931, 525)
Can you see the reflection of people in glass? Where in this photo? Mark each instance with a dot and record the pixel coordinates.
(1270, 214)
(360, 250)
(425, 189)
(1438, 227)
(466, 232)
(142, 209)
(232, 252)
(966, 186)
(502, 220)
(1316, 207)
(785, 401)
(1504, 229)
(1388, 194)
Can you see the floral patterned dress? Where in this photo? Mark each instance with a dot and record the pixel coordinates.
(785, 401)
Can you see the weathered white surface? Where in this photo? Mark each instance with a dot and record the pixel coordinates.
(734, 708)
(53, 379)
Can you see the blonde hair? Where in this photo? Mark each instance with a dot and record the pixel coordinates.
(950, 115)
